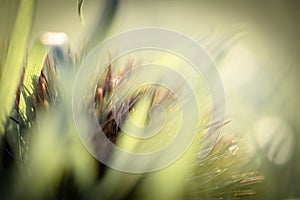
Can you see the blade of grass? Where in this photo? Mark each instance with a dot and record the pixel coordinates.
(11, 72)
(34, 66)
(79, 9)
(3, 52)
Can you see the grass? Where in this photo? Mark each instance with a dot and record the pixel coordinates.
(15, 59)
(43, 157)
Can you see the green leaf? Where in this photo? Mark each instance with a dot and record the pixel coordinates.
(79, 7)
(3, 52)
(34, 67)
(13, 67)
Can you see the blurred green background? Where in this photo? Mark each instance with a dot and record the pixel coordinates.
(260, 67)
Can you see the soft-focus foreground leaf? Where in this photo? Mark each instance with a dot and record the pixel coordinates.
(113, 180)
(11, 72)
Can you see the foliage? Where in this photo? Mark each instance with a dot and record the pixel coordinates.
(14, 62)
(40, 145)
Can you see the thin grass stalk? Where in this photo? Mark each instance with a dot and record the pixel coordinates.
(13, 67)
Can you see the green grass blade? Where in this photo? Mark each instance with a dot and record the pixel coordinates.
(34, 66)
(12, 70)
(79, 8)
(3, 52)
